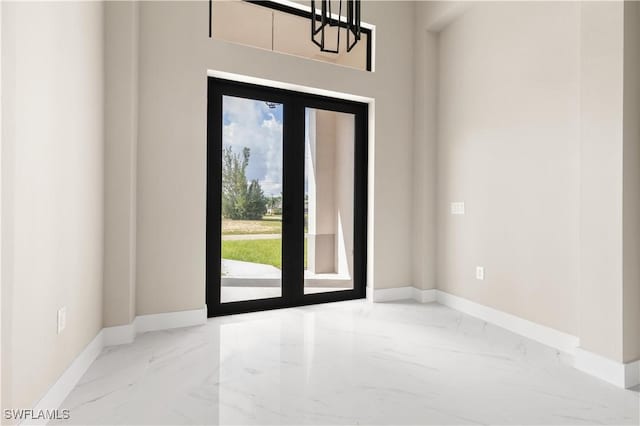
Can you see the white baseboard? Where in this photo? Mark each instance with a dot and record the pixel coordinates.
(392, 294)
(632, 374)
(166, 321)
(424, 296)
(404, 293)
(617, 373)
(547, 336)
(110, 336)
(123, 334)
(119, 335)
(58, 392)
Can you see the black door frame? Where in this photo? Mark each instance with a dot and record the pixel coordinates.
(294, 104)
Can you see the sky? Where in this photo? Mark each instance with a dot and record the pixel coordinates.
(252, 124)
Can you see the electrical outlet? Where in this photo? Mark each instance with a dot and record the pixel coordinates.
(62, 319)
(457, 208)
(479, 273)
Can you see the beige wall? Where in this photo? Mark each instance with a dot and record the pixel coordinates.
(343, 192)
(175, 55)
(631, 183)
(121, 137)
(320, 170)
(52, 117)
(322, 150)
(330, 173)
(508, 146)
(601, 191)
(536, 103)
(430, 18)
(425, 126)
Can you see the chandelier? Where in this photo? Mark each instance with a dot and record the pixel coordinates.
(320, 23)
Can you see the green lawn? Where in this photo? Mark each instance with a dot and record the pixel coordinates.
(266, 252)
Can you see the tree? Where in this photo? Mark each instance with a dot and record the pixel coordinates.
(256, 202)
(240, 199)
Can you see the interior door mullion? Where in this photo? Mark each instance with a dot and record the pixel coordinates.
(293, 201)
(214, 181)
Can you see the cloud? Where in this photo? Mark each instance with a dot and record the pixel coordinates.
(252, 124)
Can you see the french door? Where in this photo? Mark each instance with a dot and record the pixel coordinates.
(286, 198)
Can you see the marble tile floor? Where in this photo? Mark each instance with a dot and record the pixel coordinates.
(351, 363)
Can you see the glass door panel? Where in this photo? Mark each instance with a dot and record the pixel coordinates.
(329, 200)
(251, 204)
(286, 198)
